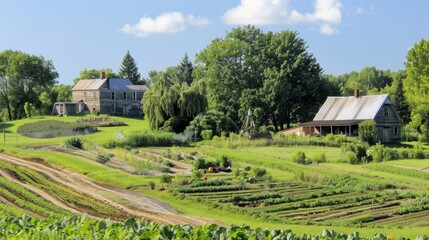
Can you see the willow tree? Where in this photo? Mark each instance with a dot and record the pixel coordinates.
(416, 85)
(170, 105)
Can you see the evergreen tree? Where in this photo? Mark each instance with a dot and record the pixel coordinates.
(401, 104)
(129, 69)
(184, 70)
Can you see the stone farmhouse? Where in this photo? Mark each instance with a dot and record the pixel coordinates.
(111, 96)
(342, 115)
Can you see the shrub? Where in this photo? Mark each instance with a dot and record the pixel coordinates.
(166, 179)
(212, 120)
(152, 185)
(74, 142)
(299, 157)
(320, 158)
(259, 172)
(175, 124)
(224, 161)
(207, 134)
(351, 158)
(102, 158)
(359, 151)
(200, 163)
(197, 175)
(367, 131)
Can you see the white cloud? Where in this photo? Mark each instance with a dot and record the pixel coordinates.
(327, 14)
(199, 21)
(257, 12)
(170, 22)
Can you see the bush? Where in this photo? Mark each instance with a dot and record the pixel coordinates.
(74, 142)
(166, 179)
(259, 172)
(152, 185)
(359, 153)
(299, 157)
(207, 134)
(224, 161)
(320, 158)
(175, 124)
(367, 131)
(102, 158)
(212, 120)
(200, 163)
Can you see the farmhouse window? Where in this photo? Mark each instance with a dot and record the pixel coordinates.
(113, 95)
(84, 94)
(395, 130)
(93, 95)
(125, 95)
(386, 112)
(134, 96)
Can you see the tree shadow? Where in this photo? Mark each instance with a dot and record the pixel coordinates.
(5, 126)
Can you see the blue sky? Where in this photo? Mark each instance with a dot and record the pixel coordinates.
(343, 35)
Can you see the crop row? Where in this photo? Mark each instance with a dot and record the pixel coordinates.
(76, 227)
(27, 200)
(66, 194)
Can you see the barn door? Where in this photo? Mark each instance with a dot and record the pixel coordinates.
(386, 135)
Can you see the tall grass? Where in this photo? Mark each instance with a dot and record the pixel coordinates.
(279, 139)
(146, 139)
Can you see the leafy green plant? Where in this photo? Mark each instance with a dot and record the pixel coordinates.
(367, 131)
(299, 157)
(207, 134)
(76, 142)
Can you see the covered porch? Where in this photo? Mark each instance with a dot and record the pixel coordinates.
(321, 128)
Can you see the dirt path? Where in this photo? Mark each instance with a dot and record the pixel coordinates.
(133, 203)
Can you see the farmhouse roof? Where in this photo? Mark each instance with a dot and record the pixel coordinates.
(117, 84)
(351, 108)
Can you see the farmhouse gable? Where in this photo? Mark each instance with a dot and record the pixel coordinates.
(115, 96)
(342, 115)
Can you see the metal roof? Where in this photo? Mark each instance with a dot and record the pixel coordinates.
(89, 84)
(351, 108)
(332, 123)
(116, 84)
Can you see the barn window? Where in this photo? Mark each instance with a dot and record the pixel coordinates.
(125, 95)
(134, 96)
(386, 112)
(395, 130)
(93, 95)
(113, 95)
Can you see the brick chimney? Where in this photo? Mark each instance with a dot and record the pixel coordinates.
(102, 75)
(356, 92)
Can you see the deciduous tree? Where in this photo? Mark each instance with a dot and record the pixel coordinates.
(417, 85)
(23, 78)
(95, 74)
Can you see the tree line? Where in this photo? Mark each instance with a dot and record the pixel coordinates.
(271, 73)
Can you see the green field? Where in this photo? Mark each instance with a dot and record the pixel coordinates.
(386, 197)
